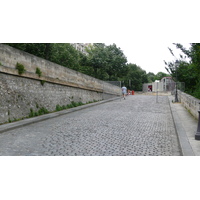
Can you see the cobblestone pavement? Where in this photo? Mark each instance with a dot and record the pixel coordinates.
(137, 126)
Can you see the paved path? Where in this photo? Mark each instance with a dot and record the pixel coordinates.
(186, 126)
(137, 126)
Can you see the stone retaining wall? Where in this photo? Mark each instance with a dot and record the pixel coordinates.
(58, 85)
(190, 103)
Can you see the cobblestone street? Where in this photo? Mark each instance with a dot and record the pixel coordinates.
(137, 126)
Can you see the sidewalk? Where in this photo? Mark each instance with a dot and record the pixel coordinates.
(186, 127)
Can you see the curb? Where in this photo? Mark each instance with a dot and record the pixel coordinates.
(24, 122)
(184, 143)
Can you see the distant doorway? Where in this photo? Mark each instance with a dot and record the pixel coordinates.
(149, 88)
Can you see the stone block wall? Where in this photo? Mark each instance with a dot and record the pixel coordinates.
(190, 103)
(21, 93)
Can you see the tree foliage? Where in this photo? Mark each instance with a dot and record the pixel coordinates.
(153, 77)
(187, 71)
(66, 55)
(108, 62)
(115, 62)
(43, 50)
(96, 59)
(135, 77)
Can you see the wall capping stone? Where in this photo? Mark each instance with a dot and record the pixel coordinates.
(31, 75)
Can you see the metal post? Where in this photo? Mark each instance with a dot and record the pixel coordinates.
(197, 135)
(176, 94)
(121, 90)
(157, 91)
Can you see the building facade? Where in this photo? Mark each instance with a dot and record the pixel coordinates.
(164, 85)
(81, 46)
(168, 83)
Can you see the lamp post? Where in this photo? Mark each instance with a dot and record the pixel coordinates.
(176, 93)
(157, 91)
(197, 135)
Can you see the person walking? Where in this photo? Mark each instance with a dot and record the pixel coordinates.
(124, 91)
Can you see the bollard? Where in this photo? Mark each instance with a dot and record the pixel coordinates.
(197, 135)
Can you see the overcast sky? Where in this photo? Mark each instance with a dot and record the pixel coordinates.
(143, 29)
(150, 56)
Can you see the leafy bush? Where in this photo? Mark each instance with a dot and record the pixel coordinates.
(42, 111)
(31, 113)
(70, 106)
(38, 71)
(20, 68)
(42, 82)
(74, 104)
(58, 108)
(80, 103)
(64, 107)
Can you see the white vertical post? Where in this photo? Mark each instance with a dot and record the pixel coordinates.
(157, 91)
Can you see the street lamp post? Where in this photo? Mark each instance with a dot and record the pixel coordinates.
(176, 93)
(197, 135)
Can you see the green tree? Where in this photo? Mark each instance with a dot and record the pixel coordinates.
(115, 62)
(43, 50)
(151, 77)
(160, 75)
(135, 77)
(187, 71)
(85, 68)
(66, 55)
(108, 62)
(96, 58)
